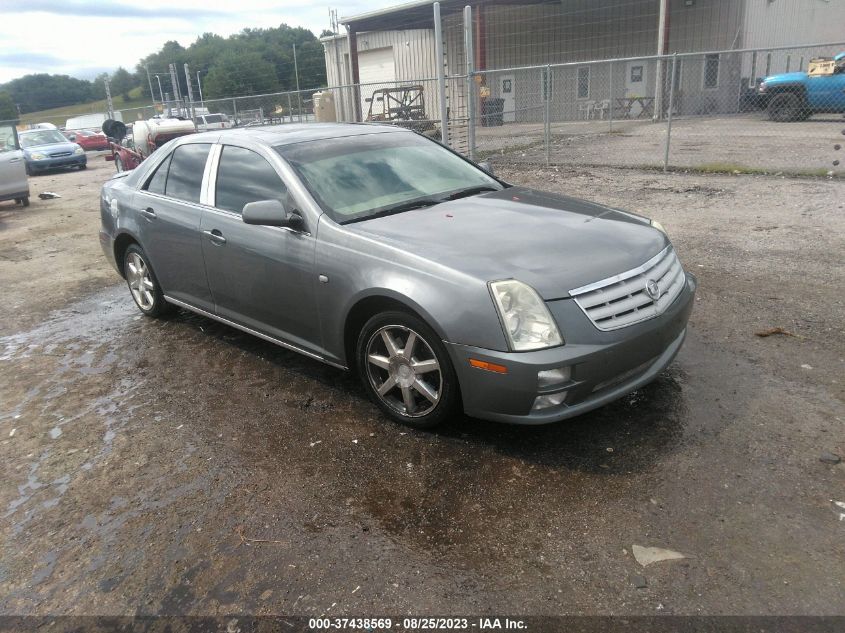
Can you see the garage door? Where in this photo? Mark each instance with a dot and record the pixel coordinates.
(375, 67)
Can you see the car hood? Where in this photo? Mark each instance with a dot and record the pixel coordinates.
(52, 147)
(552, 242)
(785, 78)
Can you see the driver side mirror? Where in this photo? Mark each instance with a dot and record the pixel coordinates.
(486, 167)
(272, 213)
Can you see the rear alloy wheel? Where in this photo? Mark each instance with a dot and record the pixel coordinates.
(785, 107)
(142, 283)
(405, 370)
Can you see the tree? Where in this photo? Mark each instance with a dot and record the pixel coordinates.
(237, 74)
(8, 111)
(121, 83)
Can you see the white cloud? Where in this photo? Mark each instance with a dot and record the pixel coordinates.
(81, 37)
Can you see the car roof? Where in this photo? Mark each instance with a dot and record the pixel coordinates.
(289, 133)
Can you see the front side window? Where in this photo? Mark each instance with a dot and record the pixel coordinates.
(711, 71)
(187, 166)
(584, 82)
(243, 177)
(359, 176)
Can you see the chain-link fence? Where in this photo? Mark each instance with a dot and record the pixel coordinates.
(705, 111)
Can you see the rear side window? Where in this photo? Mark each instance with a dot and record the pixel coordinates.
(213, 118)
(243, 176)
(157, 181)
(187, 165)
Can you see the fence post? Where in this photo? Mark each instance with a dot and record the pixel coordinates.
(234, 111)
(468, 49)
(610, 100)
(441, 75)
(669, 115)
(290, 110)
(547, 100)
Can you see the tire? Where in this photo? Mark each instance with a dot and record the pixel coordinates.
(418, 387)
(25, 201)
(143, 285)
(28, 171)
(785, 107)
(118, 164)
(83, 166)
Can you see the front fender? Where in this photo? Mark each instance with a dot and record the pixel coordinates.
(456, 306)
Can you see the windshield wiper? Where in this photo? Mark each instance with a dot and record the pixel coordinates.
(471, 191)
(419, 203)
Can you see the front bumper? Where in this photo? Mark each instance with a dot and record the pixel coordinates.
(75, 160)
(604, 365)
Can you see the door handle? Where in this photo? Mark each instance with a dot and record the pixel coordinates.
(14, 160)
(148, 213)
(215, 236)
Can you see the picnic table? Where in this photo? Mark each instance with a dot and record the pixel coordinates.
(625, 106)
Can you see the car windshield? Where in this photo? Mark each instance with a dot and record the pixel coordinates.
(358, 177)
(41, 137)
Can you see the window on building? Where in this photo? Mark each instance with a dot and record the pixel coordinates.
(583, 82)
(788, 62)
(768, 64)
(711, 71)
(752, 79)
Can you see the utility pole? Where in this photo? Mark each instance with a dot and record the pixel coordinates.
(174, 82)
(295, 68)
(199, 87)
(190, 92)
(150, 81)
(108, 96)
(160, 91)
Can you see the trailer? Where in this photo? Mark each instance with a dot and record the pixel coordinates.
(131, 146)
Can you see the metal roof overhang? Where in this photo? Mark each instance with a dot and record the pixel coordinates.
(419, 14)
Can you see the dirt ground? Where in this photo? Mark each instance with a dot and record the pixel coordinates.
(182, 467)
(745, 141)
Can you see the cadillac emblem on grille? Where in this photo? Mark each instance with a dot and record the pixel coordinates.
(652, 289)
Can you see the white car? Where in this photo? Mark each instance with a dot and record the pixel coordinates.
(207, 122)
(13, 182)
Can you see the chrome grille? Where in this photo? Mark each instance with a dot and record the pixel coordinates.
(623, 300)
(59, 154)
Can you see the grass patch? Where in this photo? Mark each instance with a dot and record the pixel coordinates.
(58, 116)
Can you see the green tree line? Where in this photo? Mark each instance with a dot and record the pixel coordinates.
(253, 61)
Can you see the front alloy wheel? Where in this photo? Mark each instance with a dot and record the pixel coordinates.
(406, 370)
(143, 284)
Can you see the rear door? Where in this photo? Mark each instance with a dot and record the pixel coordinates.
(260, 276)
(12, 165)
(169, 212)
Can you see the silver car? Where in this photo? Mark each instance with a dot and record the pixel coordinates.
(13, 182)
(375, 249)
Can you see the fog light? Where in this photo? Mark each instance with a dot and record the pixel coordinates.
(549, 377)
(548, 400)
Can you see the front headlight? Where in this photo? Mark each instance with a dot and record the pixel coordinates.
(37, 156)
(526, 319)
(658, 226)
(79, 150)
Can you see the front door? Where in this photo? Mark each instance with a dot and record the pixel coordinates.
(636, 80)
(169, 211)
(260, 276)
(12, 165)
(827, 92)
(506, 91)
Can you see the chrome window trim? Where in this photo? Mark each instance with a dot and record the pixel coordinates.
(248, 330)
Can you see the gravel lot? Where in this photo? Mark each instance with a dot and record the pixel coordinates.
(182, 467)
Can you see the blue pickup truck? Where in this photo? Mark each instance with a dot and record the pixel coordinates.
(797, 96)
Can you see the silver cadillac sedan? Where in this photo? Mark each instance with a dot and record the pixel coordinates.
(378, 250)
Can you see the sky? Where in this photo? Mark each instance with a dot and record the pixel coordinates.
(83, 38)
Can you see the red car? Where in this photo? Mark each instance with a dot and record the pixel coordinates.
(87, 139)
